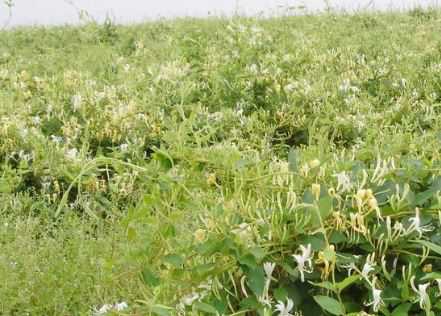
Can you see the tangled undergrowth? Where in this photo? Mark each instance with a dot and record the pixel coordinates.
(288, 166)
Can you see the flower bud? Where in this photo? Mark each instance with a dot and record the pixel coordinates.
(315, 189)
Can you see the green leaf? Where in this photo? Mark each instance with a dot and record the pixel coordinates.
(204, 307)
(161, 310)
(258, 253)
(280, 294)
(347, 282)
(431, 276)
(131, 233)
(175, 260)
(149, 277)
(326, 285)
(402, 310)
(423, 197)
(431, 246)
(256, 280)
(329, 304)
(293, 159)
(248, 260)
(325, 206)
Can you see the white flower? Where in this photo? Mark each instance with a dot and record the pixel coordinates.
(76, 102)
(124, 147)
(72, 154)
(103, 310)
(415, 224)
(438, 282)
(304, 261)
(368, 266)
(284, 310)
(423, 297)
(189, 299)
(269, 269)
(343, 182)
(118, 307)
(377, 301)
(56, 139)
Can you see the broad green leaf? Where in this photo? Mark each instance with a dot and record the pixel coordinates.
(293, 159)
(256, 280)
(258, 253)
(149, 277)
(325, 206)
(281, 294)
(175, 260)
(248, 260)
(330, 305)
(347, 282)
(434, 247)
(326, 285)
(431, 276)
(402, 309)
(161, 310)
(204, 307)
(423, 197)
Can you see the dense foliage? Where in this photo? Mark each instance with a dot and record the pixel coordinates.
(288, 166)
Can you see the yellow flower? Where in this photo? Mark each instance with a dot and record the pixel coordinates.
(314, 163)
(211, 179)
(315, 188)
(199, 235)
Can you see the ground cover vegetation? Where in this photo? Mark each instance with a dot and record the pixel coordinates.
(244, 166)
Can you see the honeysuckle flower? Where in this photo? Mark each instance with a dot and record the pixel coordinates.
(415, 224)
(76, 102)
(103, 310)
(377, 301)
(269, 269)
(423, 297)
(304, 261)
(265, 300)
(438, 282)
(343, 182)
(284, 310)
(314, 163)
(106, 308)
(72, 154)
(190, 298)
(368, 267)
(315, 189)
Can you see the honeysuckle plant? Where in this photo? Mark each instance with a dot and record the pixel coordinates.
(239, 166)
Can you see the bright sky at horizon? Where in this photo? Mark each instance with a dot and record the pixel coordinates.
(43, 12)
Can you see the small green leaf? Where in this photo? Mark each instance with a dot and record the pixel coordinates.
(329, 304)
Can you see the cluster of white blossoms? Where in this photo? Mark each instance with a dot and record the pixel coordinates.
(107, 308)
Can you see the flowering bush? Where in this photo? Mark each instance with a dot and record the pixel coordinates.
(286, 166)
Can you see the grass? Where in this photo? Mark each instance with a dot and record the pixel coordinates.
(163, 164)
